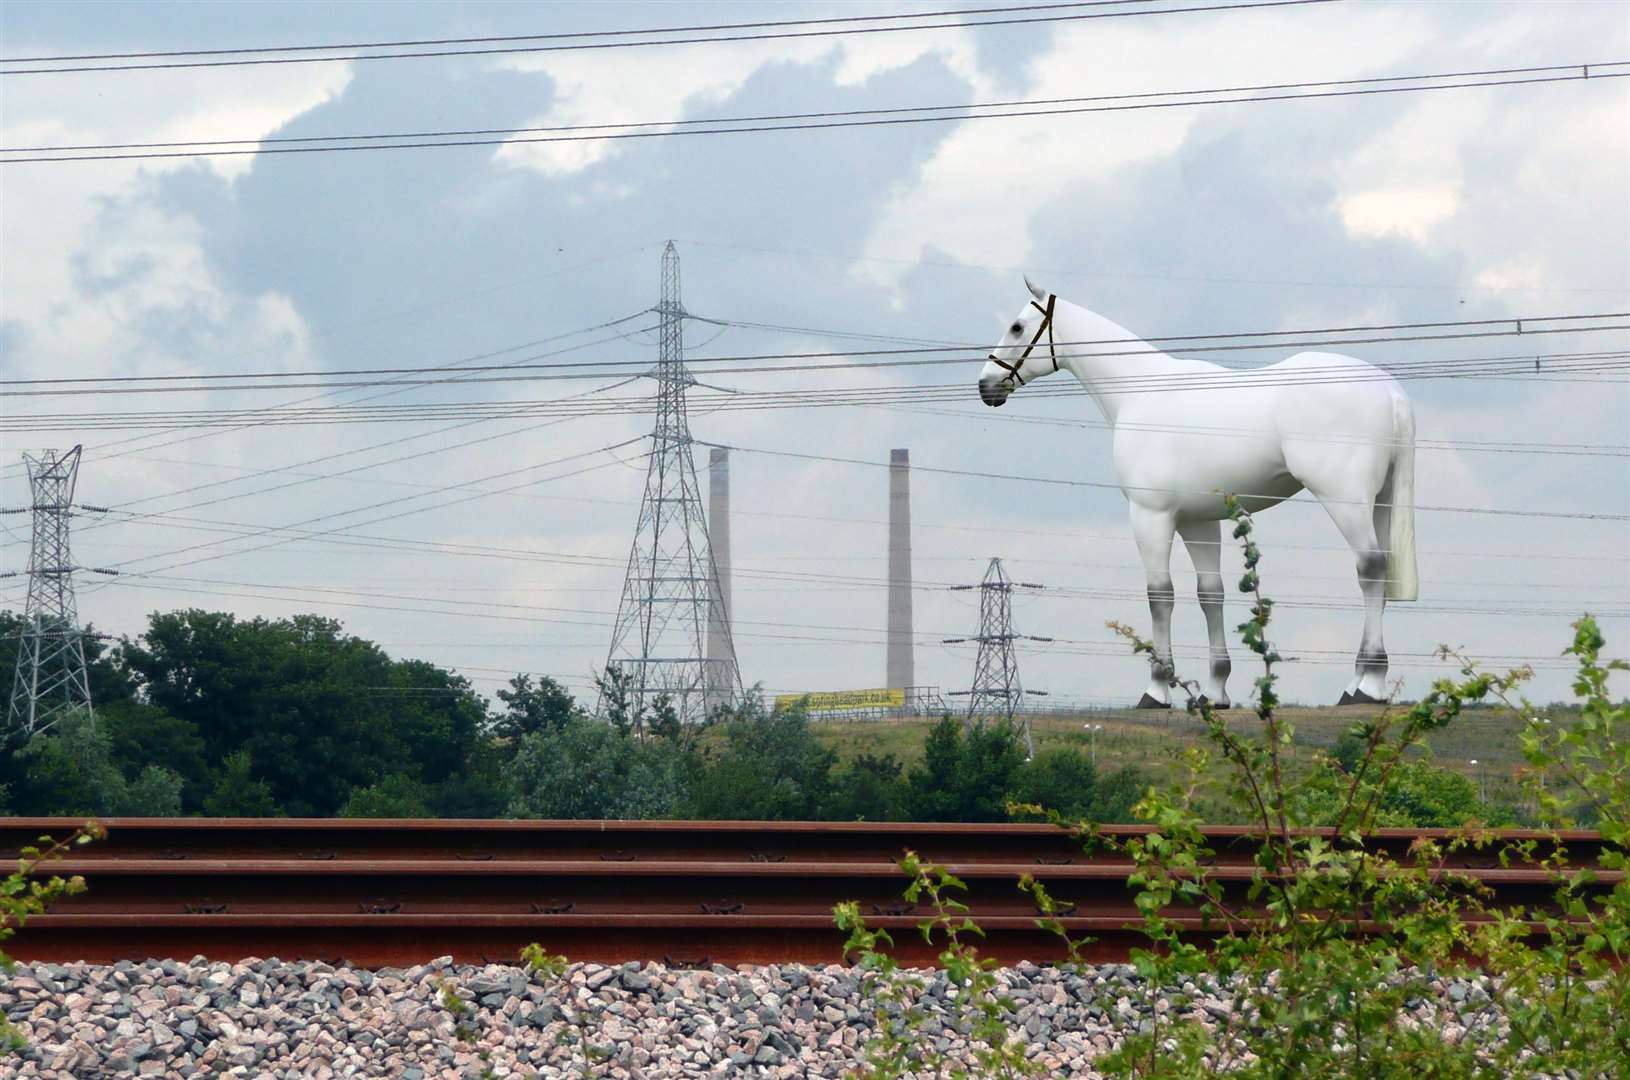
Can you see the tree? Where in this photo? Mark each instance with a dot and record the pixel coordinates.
(1064, 779)
(395, 796)
(965, 776)
(1415, 795)
(319, 712)
(870, 787)
(237, 793)
(530, 707)
(155, 792)
(616, 689)
(141, 735)
(590, 769)
(771, 767)
(69, 771)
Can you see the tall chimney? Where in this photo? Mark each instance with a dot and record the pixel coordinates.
(719, 651)
(901, 660)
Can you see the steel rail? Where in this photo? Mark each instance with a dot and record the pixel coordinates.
(691, 893)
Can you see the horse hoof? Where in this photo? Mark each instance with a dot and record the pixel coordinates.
(1345, 699)
(1148, 702)
(1358, 697)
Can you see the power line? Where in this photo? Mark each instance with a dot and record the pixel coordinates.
(588, 46)
(389, 502)
(371, 542)
(1064, 482)
(457, 365)
(775, 630)
(1056, 271)
(672, 129)
(777, 453)
(750, 571)
(402, 44)
(1569, 367)
(445, 448)
(1521, 326)
(771, 117)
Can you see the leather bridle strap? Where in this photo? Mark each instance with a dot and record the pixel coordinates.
(1045, 327)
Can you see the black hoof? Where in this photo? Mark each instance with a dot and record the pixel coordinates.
(1147, 702)
(1358, 697)
(1346, 699)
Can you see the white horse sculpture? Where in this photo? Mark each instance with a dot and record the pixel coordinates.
(1186, 431)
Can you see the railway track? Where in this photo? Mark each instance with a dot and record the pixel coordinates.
(377, 893)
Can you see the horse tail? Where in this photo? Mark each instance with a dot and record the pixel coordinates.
(1395, 510)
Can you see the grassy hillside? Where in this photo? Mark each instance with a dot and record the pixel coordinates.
(1150, 740)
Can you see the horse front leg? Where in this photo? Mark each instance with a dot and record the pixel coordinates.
(1204, 542)
(1153, 530)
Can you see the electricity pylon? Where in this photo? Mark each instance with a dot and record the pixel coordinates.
(672, 584)
(997, 690)
(50, 681)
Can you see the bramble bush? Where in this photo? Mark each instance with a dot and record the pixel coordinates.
(1327, 942)
(897, 1049)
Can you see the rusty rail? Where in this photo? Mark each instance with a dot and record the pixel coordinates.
(400, 892)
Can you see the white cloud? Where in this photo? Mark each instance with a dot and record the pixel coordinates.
(976, 198)
(1410, 212)
(661, 86)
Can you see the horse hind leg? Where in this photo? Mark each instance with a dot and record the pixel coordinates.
(1153, 531)
(1203, 539)
(1357, 522)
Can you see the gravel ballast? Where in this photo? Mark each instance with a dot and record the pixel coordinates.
(270, 1018)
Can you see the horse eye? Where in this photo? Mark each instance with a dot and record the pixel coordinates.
(1015, 328)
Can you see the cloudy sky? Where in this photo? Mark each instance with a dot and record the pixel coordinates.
(456, 540)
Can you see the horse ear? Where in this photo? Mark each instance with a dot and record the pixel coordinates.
(1035, 290)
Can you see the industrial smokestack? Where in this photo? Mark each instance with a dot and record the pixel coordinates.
(720, 655)
(902, 670)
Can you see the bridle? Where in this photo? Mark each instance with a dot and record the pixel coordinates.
(1046, 327)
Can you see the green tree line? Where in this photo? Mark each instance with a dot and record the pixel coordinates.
(209, 714)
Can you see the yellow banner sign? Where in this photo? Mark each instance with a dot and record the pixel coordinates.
(842, 700)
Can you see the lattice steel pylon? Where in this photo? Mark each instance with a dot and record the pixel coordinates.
(997, 690)
(50, 681)
(672, 583)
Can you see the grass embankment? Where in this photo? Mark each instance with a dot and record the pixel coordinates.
(1150, 740)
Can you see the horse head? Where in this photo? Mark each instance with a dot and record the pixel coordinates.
(1025, 353)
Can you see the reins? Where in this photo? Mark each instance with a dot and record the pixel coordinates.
(1046, 327)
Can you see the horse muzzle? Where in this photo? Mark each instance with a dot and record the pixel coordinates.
(994, 392)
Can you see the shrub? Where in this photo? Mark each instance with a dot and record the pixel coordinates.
(1064, 779)
(69, 771)
(1418, 795)
(589, 769)
(770, 768)
(965, 775)
(397, 796)
(871, 787)
(237, 793)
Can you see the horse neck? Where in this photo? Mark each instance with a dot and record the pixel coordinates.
(1120, 354)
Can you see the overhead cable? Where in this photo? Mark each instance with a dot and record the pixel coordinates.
(1115, 486)
(1124, 12)
(950, 113)
(1239, 341)
(1562, 368)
